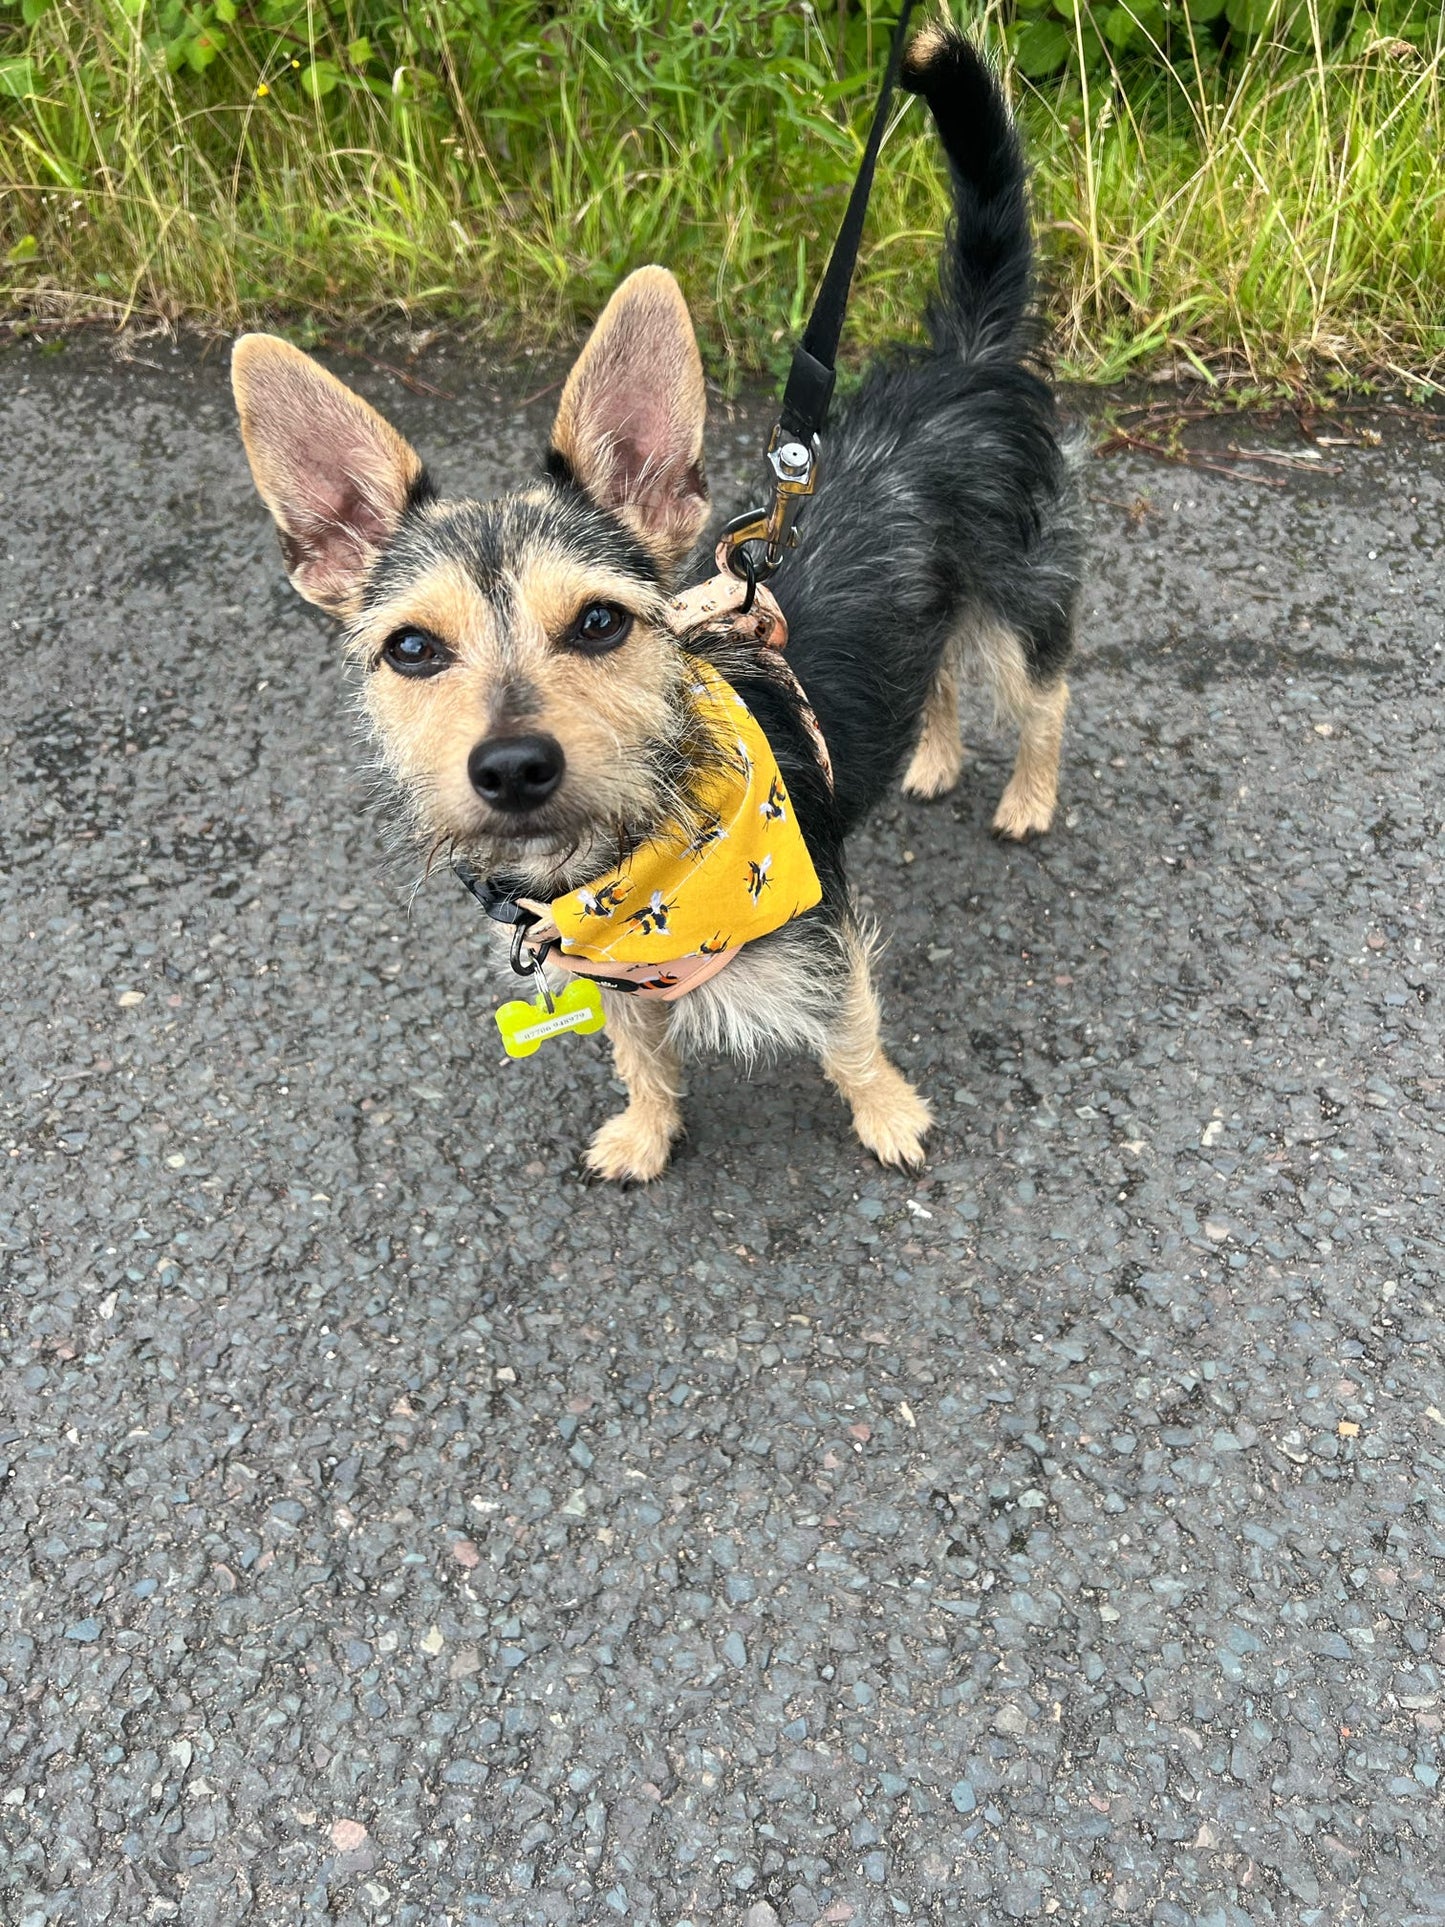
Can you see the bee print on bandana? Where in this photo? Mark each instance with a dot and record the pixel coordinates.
(653, 915)
(733, 866)
(601, 903)
(710, 832)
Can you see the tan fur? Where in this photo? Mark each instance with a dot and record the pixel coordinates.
(1026, 807)
(938, 758)
(640, 378)
(605, 711)
(333, 473)
(888, 1114)
(783, 1005)
(767, 1000)
(553, 587)
(637, 1143)
(447, 603)
(992, 653)
(923, 49)
(427, 728)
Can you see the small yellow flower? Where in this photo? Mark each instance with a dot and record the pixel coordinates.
(262, 91)
(295, 63)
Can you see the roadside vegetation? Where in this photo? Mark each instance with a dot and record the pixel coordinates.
(1249, 187)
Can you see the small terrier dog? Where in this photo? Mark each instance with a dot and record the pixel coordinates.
(537, 708)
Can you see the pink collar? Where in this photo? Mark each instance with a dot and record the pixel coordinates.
(720, 599)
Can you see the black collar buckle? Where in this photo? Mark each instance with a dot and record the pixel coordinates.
(496, 895)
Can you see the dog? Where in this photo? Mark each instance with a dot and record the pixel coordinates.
(541, 718)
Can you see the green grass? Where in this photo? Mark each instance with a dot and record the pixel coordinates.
(1279, 218)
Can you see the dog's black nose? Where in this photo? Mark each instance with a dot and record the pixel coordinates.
(516, 773)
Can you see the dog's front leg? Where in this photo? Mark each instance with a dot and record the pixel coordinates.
(888, 1114)
(637, 1143)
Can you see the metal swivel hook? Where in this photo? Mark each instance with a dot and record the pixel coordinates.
(531, 966)
(794, 466)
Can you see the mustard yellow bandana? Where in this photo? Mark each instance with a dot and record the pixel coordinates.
(744, 873)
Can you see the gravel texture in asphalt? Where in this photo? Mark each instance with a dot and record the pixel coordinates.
(396, 1530)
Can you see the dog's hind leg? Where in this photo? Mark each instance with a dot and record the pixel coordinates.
(637, 1143)
(938, 758)
(888, 1114)
(1026, 807)
(1037, 707)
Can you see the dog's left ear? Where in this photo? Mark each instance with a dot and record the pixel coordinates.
(335, 475)
(631, 420)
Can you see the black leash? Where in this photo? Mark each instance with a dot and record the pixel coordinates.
(814, 370)
(793, 451)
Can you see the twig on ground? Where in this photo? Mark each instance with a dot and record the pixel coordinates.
(527, 400)
(1121, 439)
(1306, 459)
(403, 375)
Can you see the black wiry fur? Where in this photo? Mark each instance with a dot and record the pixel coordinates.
(945, 494)
(484, 537)
(986, 283)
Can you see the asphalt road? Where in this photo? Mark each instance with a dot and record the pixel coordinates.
(397, 1530)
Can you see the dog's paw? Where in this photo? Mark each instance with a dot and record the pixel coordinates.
(893, 1120)
(936, 767)
(1023, 812)
(632, 1147)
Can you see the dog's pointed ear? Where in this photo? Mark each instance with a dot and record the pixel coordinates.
(335, 476)
(631, 420)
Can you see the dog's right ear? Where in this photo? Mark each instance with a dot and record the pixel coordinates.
(335, 476)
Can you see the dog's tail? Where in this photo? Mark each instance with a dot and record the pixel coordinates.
(986, 278)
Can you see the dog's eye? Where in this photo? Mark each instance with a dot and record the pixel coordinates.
(601, 626)
(412, 652)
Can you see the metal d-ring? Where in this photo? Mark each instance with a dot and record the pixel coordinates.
(539, 977)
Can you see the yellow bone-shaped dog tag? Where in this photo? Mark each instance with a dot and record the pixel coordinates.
(526, 1026)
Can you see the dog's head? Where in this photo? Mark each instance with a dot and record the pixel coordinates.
(519, 673)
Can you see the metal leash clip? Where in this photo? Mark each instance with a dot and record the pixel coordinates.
(794, 464)
(532, 966)
(500, 904)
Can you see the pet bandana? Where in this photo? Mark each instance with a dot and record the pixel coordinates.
(681, 906)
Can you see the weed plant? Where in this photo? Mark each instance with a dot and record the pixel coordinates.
(1250, 187)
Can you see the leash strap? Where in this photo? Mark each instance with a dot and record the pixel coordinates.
(793, 451)
(814, 370)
